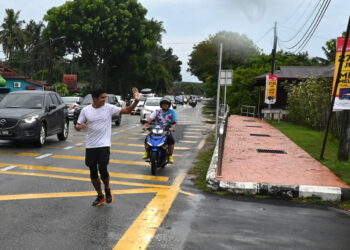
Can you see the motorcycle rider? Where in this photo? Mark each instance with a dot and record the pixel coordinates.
(164, 117)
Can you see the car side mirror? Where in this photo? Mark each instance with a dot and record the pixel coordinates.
(52, 107)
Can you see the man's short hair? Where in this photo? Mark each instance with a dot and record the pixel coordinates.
(97, 91)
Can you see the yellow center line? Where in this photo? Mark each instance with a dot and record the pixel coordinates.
(82, 179)
(142, 231)
(74, 194)
(82, 158)
(86, 172)
(19, 153)
(127, 138)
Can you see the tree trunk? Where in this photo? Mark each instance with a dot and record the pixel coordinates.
(344, 142)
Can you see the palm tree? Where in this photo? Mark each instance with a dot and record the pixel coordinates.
(12, 36)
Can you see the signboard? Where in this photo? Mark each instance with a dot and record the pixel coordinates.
(271, 89)
(70, 79)
(342, 98)
(226, 77)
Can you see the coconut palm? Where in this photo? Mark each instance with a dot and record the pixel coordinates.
(11, 35)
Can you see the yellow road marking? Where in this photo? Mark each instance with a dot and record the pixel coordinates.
(82, 158)
(187, 193)
(141, 232)
(142, 146)
(193, 133)
(135, 134)
(19, 153)
(81, 171)
(127, 138)
(192, 136)
(53, 147)
(82, 179)
(194, 142)
(126, 151)
(74, 194)
(195, 129)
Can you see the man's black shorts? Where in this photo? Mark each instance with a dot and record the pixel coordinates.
(94, 156)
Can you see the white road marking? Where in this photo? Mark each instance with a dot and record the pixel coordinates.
(8, 168)
(69, 147)
(78, 144)
(201, 144)
(43, 156)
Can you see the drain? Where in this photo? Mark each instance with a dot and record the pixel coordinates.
(249, 120)
(271, 151)
(253, 126)
(260, 135)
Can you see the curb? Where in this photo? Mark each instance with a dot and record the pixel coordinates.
(291, 191)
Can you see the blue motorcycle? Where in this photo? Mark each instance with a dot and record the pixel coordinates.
(157, 147)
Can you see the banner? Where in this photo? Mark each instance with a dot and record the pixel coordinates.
(342, 98)
(271, 89)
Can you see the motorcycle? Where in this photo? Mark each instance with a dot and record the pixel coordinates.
(193, 103)
(157, 147)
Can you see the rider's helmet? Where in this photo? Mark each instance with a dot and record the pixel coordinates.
(165, 100)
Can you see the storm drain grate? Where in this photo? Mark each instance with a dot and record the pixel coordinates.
(253, 126)
(271, 151)
(249, 120)
(265, 135)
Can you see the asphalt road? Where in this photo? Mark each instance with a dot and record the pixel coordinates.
(46, 195)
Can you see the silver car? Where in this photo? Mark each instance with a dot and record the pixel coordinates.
(72, 102)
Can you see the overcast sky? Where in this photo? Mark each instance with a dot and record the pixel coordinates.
(189, 22)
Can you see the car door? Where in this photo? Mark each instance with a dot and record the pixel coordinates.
(58, 111)
(50, 115)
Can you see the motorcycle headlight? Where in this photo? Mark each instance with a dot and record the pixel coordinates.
(30, 119)
(154, 131)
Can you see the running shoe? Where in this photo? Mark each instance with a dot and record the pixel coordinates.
(109, 195)
(145, 155)
(99, 200)
(171, 159)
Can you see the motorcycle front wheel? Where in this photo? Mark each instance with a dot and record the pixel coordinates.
(154, 162)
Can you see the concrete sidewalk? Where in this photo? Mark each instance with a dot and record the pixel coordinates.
(292, 172)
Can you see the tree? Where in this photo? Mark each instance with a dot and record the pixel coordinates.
(12, 36)
(62, 89)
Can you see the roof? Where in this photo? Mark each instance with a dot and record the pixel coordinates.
(301, 72)
(9, 74)
(41, 92)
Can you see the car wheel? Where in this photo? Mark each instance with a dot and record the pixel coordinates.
(64, 134)
(40, 141)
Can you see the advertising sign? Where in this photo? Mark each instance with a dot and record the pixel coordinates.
(342, 98)
(271, 89)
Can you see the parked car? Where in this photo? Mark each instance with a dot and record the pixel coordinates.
(72, 102)
(151, 104)
(33, 115)
(172, 98)
(111, 99)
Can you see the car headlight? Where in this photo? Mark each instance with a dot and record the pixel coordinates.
(30, 119)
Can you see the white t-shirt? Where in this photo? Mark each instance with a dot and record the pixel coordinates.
(99, 128)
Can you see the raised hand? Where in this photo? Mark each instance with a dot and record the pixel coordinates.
(136, 93)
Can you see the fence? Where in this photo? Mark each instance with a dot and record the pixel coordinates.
(248, 110)
(222, 136)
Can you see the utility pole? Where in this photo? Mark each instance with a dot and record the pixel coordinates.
(218, 95)
(273, 63)
(344, 142)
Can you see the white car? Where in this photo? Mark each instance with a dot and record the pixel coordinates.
(151, 104)
(139, 106)
(72, 102)
(120, 101)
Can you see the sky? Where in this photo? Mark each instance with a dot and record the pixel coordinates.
(188, 22)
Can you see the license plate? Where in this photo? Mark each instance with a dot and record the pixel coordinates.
(5, 132)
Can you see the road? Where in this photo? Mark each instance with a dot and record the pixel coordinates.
(46, 195)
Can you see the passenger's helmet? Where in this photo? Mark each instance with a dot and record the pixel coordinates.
(165, 100)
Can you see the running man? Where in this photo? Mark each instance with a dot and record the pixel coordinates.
(97, 118)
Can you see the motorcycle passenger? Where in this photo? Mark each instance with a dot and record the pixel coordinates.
(164, 117)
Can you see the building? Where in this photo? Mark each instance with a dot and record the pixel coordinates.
(16, 81)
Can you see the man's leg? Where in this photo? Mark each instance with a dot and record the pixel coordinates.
(102, 167)
(91, 161)
(145, 155)
(171, 146)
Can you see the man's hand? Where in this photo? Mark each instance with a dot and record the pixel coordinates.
(171, 129)
(81, 126)
(136, 93)
(145, 127)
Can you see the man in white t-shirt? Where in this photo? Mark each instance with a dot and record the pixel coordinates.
(97, 118)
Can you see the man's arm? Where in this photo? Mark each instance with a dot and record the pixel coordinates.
(127, 110)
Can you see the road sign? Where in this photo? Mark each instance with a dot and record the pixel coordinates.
(226, 77)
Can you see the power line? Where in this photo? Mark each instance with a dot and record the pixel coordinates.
(302, 26)
(294, 12)
(314, 23)
(302, 46)
(263, 36)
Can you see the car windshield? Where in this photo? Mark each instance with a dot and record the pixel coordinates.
(69, 100)
(26, 101)
(87, 100)
(152, 102)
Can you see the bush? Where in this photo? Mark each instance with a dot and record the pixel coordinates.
(309, 102)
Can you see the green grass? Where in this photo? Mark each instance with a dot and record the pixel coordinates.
(311, 141)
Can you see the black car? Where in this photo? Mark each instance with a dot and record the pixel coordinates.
(33, 115)
(111, 99)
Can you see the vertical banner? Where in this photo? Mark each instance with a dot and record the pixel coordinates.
(342, 98)
(271, 89)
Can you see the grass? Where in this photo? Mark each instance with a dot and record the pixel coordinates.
(311, 141)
